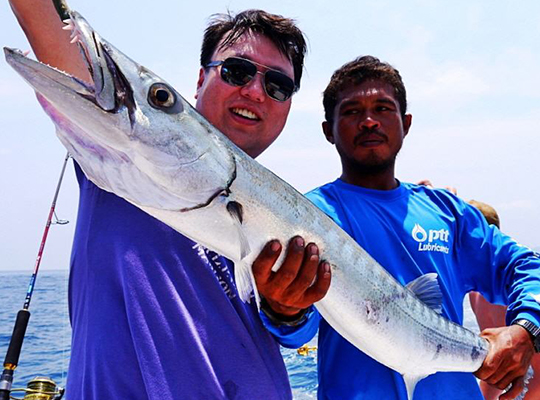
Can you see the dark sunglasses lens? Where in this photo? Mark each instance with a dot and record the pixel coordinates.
(278, 86)
(237, 72)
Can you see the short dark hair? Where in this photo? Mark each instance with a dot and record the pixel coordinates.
(282, 31)
(363, 69)
(489, 213)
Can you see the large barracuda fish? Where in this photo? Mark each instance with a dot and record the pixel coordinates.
(135, 136)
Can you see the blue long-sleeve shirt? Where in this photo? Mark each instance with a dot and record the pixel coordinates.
(413, 230)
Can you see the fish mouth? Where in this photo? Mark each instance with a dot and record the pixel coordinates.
(109, 89)
(28, 67)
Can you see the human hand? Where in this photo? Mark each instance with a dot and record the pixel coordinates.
(508, 360)
(427, 182)
(301, 280)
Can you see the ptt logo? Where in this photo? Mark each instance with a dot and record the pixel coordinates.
(432, 240)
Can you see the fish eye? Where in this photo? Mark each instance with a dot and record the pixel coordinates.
(161, 96)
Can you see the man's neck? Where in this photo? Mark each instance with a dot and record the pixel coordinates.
(380, 180)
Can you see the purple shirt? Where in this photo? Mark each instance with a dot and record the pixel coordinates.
(157, 316)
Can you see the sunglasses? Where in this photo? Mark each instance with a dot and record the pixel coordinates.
(239, 72)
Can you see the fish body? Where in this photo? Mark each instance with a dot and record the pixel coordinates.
(135, 136)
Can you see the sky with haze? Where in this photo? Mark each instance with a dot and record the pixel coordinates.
(470, 69)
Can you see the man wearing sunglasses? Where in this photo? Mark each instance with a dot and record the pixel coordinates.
(155, 315)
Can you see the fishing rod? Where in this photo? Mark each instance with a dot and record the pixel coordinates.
(40, 385)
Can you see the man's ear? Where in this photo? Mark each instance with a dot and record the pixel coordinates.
(327, 129)
(407, 122)
(200, 82)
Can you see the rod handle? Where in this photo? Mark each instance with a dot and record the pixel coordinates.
(15, 344)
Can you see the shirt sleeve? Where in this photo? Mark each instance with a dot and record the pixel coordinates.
(293, 337)
(494, 264)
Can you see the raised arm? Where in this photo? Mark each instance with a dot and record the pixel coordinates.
(43, 29)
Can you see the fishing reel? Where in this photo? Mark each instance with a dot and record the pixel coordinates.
(40, 388)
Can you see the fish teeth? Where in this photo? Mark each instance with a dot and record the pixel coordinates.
(70, 26)
(245, 113)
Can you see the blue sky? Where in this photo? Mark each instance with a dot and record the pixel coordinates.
(470, 68)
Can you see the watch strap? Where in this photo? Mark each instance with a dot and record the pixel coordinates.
(282, 320)
(533, 329)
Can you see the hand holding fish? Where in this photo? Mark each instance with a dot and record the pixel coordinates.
(301, 280)
(509, 357)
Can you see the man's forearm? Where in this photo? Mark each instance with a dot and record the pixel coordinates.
(43, 29)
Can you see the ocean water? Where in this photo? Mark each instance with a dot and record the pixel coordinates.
(302, 372)
(46, 347)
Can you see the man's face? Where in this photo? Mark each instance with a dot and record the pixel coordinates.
(246, 114)
(367, 128)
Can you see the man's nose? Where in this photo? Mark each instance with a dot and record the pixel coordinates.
(254, 89)
(369, 122)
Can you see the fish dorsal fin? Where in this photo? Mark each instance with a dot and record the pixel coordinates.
(245, 282)
(426, 288)
(235, 210)
(410, 384)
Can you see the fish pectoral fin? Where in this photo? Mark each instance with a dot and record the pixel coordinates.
(426, 288)
(245, 282)
(236, 211)
(410, 383)
(245, 249)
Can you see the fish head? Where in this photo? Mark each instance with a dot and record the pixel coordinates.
(131, 132)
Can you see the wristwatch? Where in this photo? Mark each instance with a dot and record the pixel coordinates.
(533, 330)
(280, 320)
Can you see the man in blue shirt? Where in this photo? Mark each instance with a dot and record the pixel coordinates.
(412, 230)
(155, 315)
